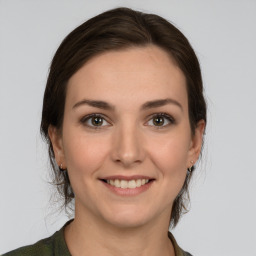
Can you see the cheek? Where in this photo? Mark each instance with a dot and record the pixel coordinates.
(84, 154)
(170, 155)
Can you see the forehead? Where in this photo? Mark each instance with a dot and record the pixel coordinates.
(143, 73)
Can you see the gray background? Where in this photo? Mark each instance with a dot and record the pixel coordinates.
(221, 221)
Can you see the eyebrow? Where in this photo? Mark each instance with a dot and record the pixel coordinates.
(148, 105)
(95, 103)
(160, 103)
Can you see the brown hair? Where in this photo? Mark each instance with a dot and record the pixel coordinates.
(115, 30)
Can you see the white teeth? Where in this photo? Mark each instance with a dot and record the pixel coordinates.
(128, 184)
(117, 184)
(138, 183)
(132, 184)
(123, 184)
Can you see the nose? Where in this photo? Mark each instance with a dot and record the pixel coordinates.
(127, 147)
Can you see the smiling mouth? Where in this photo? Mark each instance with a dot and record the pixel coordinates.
(127, 184)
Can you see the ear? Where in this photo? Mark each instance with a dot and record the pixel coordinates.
(196, 143)
(57, 144)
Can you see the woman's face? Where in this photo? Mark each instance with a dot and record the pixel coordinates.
(126, 123)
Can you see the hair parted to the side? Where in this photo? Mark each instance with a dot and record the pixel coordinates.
(118, 29)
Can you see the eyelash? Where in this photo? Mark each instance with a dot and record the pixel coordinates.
(88, 117)
(164, 115)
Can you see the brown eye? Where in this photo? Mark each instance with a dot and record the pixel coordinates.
(97, 121)
(94, 121)
(158, 121)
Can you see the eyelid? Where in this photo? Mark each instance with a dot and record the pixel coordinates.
(84, 119)
(164, 115)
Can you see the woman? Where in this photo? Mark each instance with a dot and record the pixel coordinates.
(124, 116)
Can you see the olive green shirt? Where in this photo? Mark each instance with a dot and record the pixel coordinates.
(55, 245)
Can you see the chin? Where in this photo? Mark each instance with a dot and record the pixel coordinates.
(129, 218)
(127, 223)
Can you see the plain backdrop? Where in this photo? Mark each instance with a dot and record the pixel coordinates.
(221, 221)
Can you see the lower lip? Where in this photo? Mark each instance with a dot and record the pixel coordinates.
(128, 191)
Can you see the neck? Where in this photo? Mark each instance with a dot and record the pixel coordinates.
(86, 235)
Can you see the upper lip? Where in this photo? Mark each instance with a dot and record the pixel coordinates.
(122, 177)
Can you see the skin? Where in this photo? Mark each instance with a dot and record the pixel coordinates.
(127, 143)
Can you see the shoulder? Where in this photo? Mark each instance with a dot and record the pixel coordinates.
(42, 247)
(54, 245)
(177, 249)
(186, 254)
